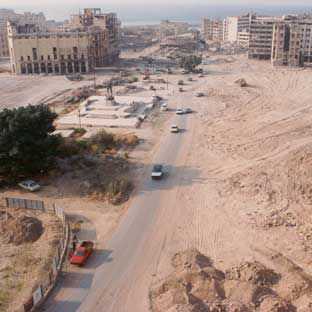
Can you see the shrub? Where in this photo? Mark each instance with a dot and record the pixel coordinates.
(70, 147)
(101, 141)
(78, 132)
(133, 79)
(119, 186)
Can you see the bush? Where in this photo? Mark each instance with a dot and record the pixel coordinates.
(133, 79)
(101, 141)
(128, 139)
(70, 147)
(119, 186)
(78, 132)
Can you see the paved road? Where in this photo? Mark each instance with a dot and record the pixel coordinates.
(107, 283)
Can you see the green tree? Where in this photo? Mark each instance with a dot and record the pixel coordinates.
(26, 144)
(190, 62)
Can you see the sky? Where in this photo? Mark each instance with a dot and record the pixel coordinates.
(158, 9)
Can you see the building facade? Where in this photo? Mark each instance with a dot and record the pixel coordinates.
(212, 30)
(292, 43)
(91, 41)
(34, 52)
(206, 28)
(93, 20)
(27, 17)
(261, 35)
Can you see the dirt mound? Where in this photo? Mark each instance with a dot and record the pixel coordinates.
(254, 272)
(196, 285)
(20, 230)
(274, 304)
(190, 259)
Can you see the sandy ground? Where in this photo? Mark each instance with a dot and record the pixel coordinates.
(24, 266)
(251, 150)
(240, 192)
(246, 193)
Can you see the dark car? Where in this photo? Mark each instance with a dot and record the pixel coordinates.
(157, 172)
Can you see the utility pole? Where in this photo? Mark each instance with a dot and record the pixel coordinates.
(79, 117)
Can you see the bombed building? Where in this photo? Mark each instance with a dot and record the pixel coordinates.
(91, 41)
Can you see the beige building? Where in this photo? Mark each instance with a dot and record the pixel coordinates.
(230, 29)
(261, 34)
(93, 18)
(243, 39)
(212, 30)
(206, 28)
(27, 17)
(90, 42)
(34, 52)
(292, 43)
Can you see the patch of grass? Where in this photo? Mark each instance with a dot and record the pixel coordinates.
(5, 298)
(79, 132)
(133, 79)
(119, 186)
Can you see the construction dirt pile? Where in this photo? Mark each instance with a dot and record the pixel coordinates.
(19, 230)
(196, 285)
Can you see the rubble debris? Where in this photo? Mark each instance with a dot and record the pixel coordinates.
(241, 82)
(22, 229)
(196, 285)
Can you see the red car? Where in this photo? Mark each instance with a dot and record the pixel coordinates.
(82, 252)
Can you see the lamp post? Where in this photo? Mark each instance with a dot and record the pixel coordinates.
(79, 117)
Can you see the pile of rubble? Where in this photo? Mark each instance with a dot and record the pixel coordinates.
(19, 230)
(196, 285)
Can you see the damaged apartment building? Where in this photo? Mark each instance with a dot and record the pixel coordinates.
(292, 43)
(90, 42)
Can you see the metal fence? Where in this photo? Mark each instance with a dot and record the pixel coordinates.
(24, 203)
(49, 279)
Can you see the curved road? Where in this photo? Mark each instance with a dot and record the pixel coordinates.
(120, 275)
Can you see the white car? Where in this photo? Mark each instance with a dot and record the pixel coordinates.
(29, 185)
(157, 172)
(174, 129)
(164, 107)
(179, 111)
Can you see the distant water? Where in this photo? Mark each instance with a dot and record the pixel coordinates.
(192, 14)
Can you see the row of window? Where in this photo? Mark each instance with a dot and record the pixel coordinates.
(69, 57)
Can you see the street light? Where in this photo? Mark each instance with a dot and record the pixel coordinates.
(79, 118)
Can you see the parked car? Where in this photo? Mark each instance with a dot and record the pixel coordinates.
(188, 111)
(29, 185)
(181, 89)
(200, 94)
(82, 252)
(157, 172)
(164, 107)
(179, 111)
(174, 129)
(190, 79)
(180, 83)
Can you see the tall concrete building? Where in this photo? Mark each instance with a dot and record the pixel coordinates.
(212, 29)
(230, 27)
(237, 29)
(90, 42)
(261, 34)
(93, 18)
(206, 28)
(292, 43)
